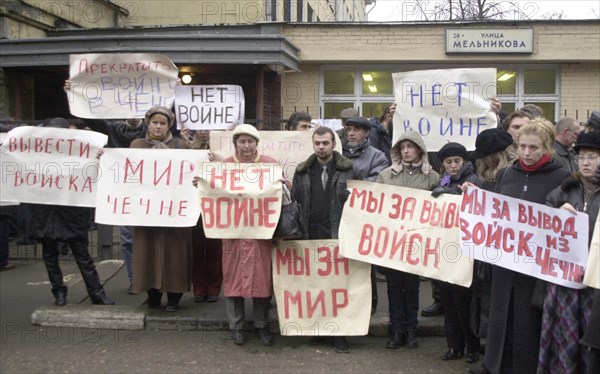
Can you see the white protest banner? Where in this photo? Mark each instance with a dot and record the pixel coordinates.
(211, 107)
(529, 238)
(240, 201)
(444, 105)
(149, 187)
(592, 272)
(120, 85)
(51, 166)
(318, 291)
(404, 229)
(289, 148)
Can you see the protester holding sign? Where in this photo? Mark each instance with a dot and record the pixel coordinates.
(53, 224)
(247, 262)
(320, 187)
(456, 300)
(161, 255)
(490, 155)
(566, 311)
(410, 168)
(513, 337)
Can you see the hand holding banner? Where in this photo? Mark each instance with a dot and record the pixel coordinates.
(210, 107)
(149, 187)
(319, 292)
(404, 229)
(51, 166)
(240, 201)
(525, 237)
(444, 105)
(120, 85)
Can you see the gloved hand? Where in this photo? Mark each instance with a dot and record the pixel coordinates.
(596, 178)
(440, 190)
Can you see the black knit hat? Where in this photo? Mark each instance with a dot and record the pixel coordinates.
(491, 141)
(358, 121)
(587, 140)
(452, 150)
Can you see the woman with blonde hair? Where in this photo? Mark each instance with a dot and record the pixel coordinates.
(514, 326)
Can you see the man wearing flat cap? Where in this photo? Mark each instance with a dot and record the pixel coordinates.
(369, 161)
(344, 115)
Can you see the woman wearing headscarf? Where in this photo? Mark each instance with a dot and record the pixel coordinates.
(162, 256)
(247, 262)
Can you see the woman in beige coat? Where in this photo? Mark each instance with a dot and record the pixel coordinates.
(410, 168)
(162, 256)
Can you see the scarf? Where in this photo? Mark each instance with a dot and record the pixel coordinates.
(158, 143)
(353, 150)
(537, 166)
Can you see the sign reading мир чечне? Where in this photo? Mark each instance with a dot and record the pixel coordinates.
(489, 40)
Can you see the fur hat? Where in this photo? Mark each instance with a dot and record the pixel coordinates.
(160, 110)
(587, 140)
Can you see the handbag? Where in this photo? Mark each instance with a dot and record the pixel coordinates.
(291, 224)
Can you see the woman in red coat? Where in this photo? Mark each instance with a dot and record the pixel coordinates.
(247, 262)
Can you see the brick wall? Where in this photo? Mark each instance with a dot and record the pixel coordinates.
(579, 90)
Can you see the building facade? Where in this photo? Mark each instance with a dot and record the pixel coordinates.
(319, 66)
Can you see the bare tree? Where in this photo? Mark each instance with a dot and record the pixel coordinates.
(472, 10)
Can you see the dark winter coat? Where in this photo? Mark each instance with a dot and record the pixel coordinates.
(59, 222)
(120, 134)
(368, 160)
(380, 138)
(571, 191)
(512, 291)
(466, 174)
(344, 171)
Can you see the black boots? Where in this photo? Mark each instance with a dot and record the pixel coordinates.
(100, 298)
(61, 296)
(397, 340)
(265, 337)
(411, 340)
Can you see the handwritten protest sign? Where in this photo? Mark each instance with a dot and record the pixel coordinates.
(404, 229)
(592, 273)
(289, 148)
(529, 238)
(209, 107)
(51, 166)
(240, 201)
(320, 292)
(120, 85)
(149, 187)
(444, 105)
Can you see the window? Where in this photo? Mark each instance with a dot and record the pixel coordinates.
(299, 10)
(287, 10)
(371, 88)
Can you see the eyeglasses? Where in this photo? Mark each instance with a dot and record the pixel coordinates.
(590, 158)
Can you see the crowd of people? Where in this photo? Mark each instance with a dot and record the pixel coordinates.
(528, 325)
